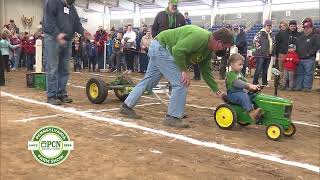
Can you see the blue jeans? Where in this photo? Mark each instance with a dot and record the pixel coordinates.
(304, 74)
(241, 98)
(57, 66)
(100, 61)
(161, 63)
(144, 61)
(262, 65)
(16, 57)
(29, 61)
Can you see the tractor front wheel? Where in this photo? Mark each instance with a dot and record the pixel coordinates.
(274, 132)
(225, 116)
(290, 131)
(96, 90)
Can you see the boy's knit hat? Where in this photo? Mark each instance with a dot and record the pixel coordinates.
(292, 46)
(293, 22)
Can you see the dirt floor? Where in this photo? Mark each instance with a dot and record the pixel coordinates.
(108, 151)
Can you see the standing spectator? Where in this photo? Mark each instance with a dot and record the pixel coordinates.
(5, 47)
(144, 59)
(101, 38)
(281, 46)
(290, 62)
(293, 32)
(23, 55)
(142, 33)
(2, 76)
(92, 54)
(129, 43)
(17, 51)
(224, 58)
(315, 30)
(30, 51)
(170, 18)
(263, 50)
(60, 22)
(188, 20)
(307, 46)
(13, 26)
(116, 53)
(242, 45)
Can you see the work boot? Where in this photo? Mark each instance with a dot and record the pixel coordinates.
(255, 113)
(174, 122)
(65, 99)
(53, 101)
(125, 110)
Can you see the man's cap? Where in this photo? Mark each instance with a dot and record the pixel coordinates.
(174, 2)
(307, 20)
(307, 24)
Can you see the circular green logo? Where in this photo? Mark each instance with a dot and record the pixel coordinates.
(50, 145)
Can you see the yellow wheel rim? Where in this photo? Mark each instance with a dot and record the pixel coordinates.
(274, 132)
(94, 90)
(224, 117)
(289, 131)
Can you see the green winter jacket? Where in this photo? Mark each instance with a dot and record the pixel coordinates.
(5, 47)
(189, 45)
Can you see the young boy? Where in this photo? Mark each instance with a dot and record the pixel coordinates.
(30, 52)
(116, 53)
(236, 83)
(92, 54)
(290, 62)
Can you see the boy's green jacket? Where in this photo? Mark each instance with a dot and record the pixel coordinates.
(189, 45)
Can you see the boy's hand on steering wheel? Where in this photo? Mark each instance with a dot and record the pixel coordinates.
(253, 87)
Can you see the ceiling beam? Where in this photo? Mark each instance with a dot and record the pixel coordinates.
(125, 4)
(161, 3)
(208, 2)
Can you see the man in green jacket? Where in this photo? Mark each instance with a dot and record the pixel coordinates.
(170, 54)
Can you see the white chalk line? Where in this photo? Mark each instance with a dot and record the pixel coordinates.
(37, 118)
(212, 108)
(171, 135)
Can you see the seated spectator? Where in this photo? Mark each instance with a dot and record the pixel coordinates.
(307, 46)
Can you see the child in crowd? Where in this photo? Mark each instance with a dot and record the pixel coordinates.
(30, 51)
(116, 53)
(77, 54)
(109, 52)
(5, 47)
(236, 83)
(290, 62)
(92, 54)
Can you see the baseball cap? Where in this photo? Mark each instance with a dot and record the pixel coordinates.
(174, 2)
(292, 46)
(307, 24)
(307, 20)
(268, 22)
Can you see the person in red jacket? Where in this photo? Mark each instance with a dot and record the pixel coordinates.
(101, 37)
(290, 62)
(30, 52)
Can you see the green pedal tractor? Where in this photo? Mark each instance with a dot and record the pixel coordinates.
(276, 115)
(97, 89)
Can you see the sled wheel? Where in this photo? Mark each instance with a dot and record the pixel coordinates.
(243, 123)
(225, 116)
(96, 90)
(274, 132)
(290, 131)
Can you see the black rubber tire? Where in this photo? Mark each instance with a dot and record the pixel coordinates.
(102, 90)
(234, 114)
(289, 134)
